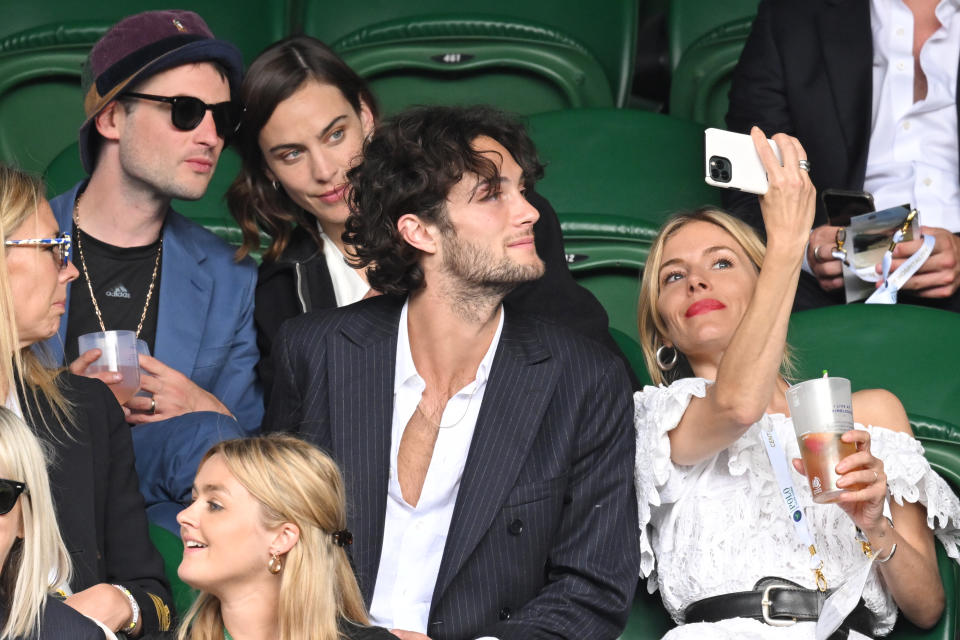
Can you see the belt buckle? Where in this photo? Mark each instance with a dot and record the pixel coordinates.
(765, 603)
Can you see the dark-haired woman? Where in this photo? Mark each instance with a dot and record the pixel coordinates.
(307, 116)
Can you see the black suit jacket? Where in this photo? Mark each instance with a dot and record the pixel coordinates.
(806, 70)
(299, 281)
(97, 497)
(543, 539)
(61, 622)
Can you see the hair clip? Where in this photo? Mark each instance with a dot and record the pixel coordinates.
(342, 538)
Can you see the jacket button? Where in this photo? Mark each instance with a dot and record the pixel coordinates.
(505, 613)
(516, 527)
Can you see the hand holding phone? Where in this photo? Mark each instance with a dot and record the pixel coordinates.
(732, 161)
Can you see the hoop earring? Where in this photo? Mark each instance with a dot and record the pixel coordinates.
(276, 185)
(667, 365)
(275, 565)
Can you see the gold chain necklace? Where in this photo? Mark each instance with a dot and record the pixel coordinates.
(86, 274)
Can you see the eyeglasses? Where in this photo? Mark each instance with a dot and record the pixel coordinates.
(59, 245)
(187, 112)
(10, 490)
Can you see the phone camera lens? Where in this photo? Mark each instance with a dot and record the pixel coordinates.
(719, 169)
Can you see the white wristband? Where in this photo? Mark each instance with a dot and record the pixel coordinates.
(133, 605)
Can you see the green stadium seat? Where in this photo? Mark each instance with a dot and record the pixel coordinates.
(250, 24)
(171, 549)
(911, 351)
(458, 59)
(606, 254)
(607, 30)
(700, 84)
(41, 107)
(690, 20)
(635, 164)
(613, 176)
(210, 211)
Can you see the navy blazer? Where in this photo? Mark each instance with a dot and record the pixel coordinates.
(543, 540)
(205, 318)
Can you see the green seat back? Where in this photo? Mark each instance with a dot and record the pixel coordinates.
(606, 254)
(607, 29)
(700, 85)
(635, 164)
(210, 211)
(41, 107)
(613, 176)
(456, 59)
(249, 24)
(690, 20)
(171, 549)
(912, 351)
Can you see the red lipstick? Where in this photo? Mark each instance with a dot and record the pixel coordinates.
(704, 306)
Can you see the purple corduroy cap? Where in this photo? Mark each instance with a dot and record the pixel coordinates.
(140, 46)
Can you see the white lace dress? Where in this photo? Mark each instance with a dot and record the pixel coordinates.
(719, 526)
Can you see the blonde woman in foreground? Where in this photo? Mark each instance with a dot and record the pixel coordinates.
(32, 555)
(265, 542)
(716, 537)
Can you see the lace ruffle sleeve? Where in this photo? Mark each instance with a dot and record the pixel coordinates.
(910, 478)
(657, 410)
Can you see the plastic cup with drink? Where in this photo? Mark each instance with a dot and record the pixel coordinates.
(118, 354)
(822, 411)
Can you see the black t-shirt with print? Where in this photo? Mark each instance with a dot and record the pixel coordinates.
(121, 278)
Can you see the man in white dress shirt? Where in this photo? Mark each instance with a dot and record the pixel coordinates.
(487, 455)
(869, 88)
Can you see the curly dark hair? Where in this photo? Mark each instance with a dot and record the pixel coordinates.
(410, 165)
(276, 74)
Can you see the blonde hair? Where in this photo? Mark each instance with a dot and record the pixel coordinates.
(39, 562)
(317, 585)
(20, 197)
(650, 325)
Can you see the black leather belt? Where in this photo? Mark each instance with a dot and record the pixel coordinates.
(779, 603)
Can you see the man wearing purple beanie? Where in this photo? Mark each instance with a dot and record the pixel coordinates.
(158, 98)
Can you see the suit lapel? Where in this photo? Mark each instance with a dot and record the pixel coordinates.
(361, 366)
(518, 391)
(847, 48)
(185, 290)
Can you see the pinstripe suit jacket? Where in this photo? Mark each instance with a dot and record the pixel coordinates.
(543, 541)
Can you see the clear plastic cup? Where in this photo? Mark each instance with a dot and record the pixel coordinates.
(118, 354)
(822, 411)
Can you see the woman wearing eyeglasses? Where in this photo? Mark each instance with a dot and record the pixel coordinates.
(33, 559)
(306, 117)
(118, 575)
(270, 558)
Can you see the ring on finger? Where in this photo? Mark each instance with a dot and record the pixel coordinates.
(805, 165)
(876, 476)
(153, 406)
(816, 254)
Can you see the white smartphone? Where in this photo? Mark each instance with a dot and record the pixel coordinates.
(733, 163)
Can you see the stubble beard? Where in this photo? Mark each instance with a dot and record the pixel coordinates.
(478, 280)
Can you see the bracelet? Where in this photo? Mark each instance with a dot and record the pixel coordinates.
(893, 550)
(135, 607)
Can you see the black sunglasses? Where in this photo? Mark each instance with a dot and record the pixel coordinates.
(10, 490)
(187, 112)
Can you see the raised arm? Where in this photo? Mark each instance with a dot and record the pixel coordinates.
(747, 374)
